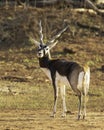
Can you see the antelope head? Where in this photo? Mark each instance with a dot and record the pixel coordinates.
(44, 48)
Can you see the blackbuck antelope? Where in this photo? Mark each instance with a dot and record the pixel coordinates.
(63, 73)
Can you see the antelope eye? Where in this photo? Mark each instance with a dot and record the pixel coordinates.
(39, 49)
(46, 48)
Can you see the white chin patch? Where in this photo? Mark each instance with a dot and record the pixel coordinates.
(40, 55)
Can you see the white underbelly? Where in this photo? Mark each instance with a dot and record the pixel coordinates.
(60, 80)
(47, 72)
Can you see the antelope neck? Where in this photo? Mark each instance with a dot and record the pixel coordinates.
(44, 62)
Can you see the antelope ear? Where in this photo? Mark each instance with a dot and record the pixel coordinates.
(32, 40)
(52, 44)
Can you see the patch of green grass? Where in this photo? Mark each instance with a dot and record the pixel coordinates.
(40, 96)
(25, 96)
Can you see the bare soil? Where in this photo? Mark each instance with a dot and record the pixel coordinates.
(40, 120)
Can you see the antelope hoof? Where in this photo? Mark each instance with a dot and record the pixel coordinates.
(63, 115)
(79, 116)
(84, 117)
(53, 115)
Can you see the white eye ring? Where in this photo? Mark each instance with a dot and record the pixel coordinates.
(47, 48)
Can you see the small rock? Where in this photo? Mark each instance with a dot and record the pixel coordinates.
(102, 68)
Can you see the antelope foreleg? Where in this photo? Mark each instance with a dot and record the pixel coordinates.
(62, 91)
(55, 101)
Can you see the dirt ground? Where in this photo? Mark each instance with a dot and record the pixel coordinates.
(26, 95)
(40, 120)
